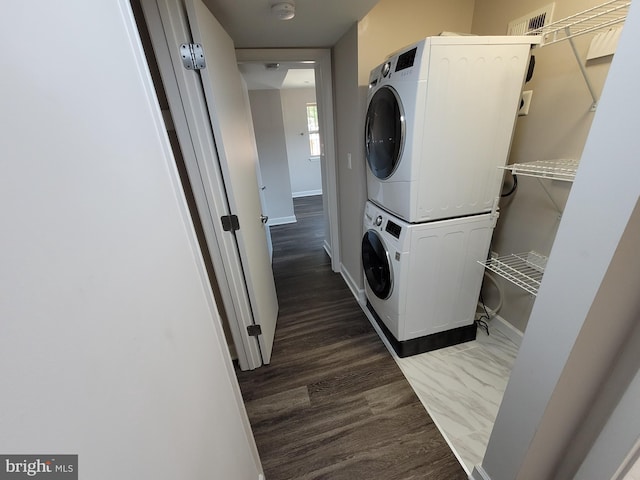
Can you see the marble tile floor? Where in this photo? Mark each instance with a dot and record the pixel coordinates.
(461, 387)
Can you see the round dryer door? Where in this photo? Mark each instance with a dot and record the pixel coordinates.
(384, 132)
(376, 264)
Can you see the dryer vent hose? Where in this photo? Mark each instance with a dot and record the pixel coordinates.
(494, 311)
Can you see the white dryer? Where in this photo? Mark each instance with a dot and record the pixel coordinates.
(422, 281)
(439, 123)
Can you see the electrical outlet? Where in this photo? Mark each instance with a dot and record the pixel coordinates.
(349, 161)
(525, 103)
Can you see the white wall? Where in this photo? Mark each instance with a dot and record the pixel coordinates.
(580, 349)
(268, 124)
(110, 344)
(352, 186)
(304, 171)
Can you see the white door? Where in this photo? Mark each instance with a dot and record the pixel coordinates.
(261, 186)
(225, 103)
(265, 218)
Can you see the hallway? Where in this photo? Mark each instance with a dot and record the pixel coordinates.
(333, 403)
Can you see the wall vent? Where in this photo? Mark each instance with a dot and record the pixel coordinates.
(531, 21)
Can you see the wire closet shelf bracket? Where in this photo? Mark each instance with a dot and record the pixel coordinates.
(598, 18)
(524, 270)
(593, 19)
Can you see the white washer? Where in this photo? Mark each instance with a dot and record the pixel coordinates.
(422, 281)
(439, 123)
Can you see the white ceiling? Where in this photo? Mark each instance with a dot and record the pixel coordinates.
(288, 75)
(300, 78)
(317, 23)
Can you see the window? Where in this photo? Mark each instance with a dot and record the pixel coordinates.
(314, 131)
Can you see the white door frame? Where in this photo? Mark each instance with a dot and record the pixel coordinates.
(320, 59)
(192, 124)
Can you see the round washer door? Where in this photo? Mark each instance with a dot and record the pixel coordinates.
(384, 132)
(377, 265)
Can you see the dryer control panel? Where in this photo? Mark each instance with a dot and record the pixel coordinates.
(407, 59)
(393, 228)
(405, 62)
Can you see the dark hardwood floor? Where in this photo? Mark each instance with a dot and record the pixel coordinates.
(333, 404)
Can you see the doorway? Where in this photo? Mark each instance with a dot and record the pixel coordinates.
(221, 292)
(224, 266)
(319, 60)
(284, 111)
(209, 110)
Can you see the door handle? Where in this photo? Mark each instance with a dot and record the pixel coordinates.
(264, 218)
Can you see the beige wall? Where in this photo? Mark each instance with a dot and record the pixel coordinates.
(580, 351)
(391, 25)
(556, 127)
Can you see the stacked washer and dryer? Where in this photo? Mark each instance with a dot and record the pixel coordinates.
(439, 123)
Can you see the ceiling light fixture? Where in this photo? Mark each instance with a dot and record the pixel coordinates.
(283, 10)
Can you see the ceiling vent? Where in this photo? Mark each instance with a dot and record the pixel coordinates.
(529, 23)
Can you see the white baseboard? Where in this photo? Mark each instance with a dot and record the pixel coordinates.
(260, 476)
(282, 220)
(362, 298)
(327, 248)
(308, 193)
(508, 330)
(352, 284)
(478, 473)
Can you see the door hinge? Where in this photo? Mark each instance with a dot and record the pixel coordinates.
(230, 223)
(254, 330)
(192, 56)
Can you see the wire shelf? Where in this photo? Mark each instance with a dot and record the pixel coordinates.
(597, 18)
(524, 270)
(562, 169)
